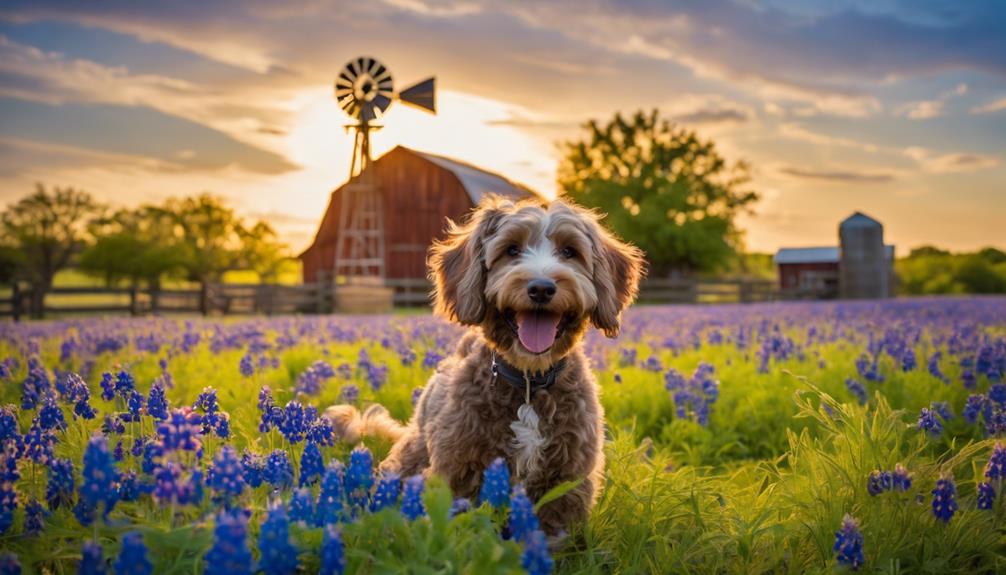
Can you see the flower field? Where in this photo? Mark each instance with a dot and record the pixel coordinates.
(774, 438)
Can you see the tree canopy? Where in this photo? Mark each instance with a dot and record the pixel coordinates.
(663, 189)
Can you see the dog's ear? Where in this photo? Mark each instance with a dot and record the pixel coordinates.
(618, 267)
(457, 265)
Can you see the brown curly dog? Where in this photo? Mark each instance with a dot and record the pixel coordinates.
(529, 279)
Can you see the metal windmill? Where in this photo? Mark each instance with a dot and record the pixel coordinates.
(364, 90)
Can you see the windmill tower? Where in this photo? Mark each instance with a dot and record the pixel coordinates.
(364, 90)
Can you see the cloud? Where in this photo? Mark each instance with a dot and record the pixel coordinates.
(921, 110)
(796, 131)
(437, 9)
(837, 176)
(990, 107)
(949, 163)
(714, 116)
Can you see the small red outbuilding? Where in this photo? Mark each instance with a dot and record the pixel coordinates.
(419, 191)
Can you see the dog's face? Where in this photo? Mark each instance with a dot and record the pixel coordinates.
(533, 277)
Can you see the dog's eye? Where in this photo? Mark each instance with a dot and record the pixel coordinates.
(513, 250)
(568, 252)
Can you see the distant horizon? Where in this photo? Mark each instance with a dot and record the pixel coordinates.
(894, 109)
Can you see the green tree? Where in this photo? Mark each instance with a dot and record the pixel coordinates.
(207, 234)
(133, 245)
(662, 188)
(48, 228)
(262, 252)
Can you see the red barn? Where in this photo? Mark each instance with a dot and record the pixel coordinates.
(420, 191)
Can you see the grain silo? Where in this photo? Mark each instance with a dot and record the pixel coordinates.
(865, 269)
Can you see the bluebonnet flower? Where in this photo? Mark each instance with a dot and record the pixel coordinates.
(252, 468)
(134, 404)
(98, 483)
(294, 424)
(986, 495)
(8, 466)
(124, 384)
(9, 429)
(930, 422)
(977, 404)
(333, 556)
(312, 466)
(59, 489)
(34, 517)
(902, 479)
(278, 470)
(39, 442)
(8, 503)
(944, 499)
(180, 431)
(193, 494)
(359, 477)
(407, 357)
(350, 393)
(84, 512)
(278, 555)
(137, 448)
(92, 561)
(495, 484)
(129, 486)
(460, 505)
(431, 359)
(213, 420)
(652, 363)
(330, 494)
(168, 485)
(157, 402)
(246, 366)
(997, 393)
(344, 371)
(849, 543)
(857, 389)
(9, 564)
(113, 425)
(302, 506)
(942, 408)
(878, 482)
(386, 493)
(996, 466)
(224, 476)
(627, 356)
(79, 394)
(536, 558)
(908, 361)
(934, 367)
(416, 394)
(412, 498)
(230, 553)
(522, 521)
(321, 432)
(377, 376)
(118, 454)
(152, 452)
(132, 558)
(50, 416)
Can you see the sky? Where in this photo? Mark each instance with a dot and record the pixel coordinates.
(896, 108)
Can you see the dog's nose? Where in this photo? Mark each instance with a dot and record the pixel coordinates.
(541, 290)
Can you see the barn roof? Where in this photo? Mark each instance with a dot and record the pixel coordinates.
(476, 181)
(816, 255)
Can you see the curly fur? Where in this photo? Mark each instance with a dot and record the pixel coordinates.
(465, 418)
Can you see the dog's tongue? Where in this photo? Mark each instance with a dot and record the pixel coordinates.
(536, 329)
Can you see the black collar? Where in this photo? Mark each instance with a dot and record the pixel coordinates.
(516, 378)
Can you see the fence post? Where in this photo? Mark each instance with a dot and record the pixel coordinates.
(134, 309)
(16, 301)
(155, 297)
(744, 291)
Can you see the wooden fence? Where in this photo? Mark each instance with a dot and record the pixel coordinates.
(270, 299)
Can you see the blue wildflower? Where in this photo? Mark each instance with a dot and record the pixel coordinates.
(934, 367)
(412, 498)
(416, 394)
(902, 479)
(522, 521)
(180, 431)
(460, 505)
(321, 432)
(270, 414)
(350, 393)
(908, 361)
(59, 489)
(50, 416)
(129, 486)
(331, 493)
(997, 393)
(8, 503)
(9, 564)
(134, 405)
(118, 454)
(849, 544)
(225, 475)
(92, 561)
(168, 485)
(856, 389)
(942, 408)
(132, 558)
(333, 555)
(536, 558)
(301, 506)
(996, 466)
(252, 468)
(246, 366)
(359, 477)
(944, 502)
(930, 422)
(278, 555)
(84, 512)
(294, 424)
(431, 359)
(386, 493)
(152, 453)
(112, 425)
(977, 404)
(157, 402)
(496, 484)
(9, 428)
(124, 384)
(98, 483)
(311, 465)
(230, 553)
(278, 470)
(986, 495)
(34, 517)
(39, 442)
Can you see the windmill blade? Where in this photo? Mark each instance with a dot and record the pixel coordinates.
(421, 95)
